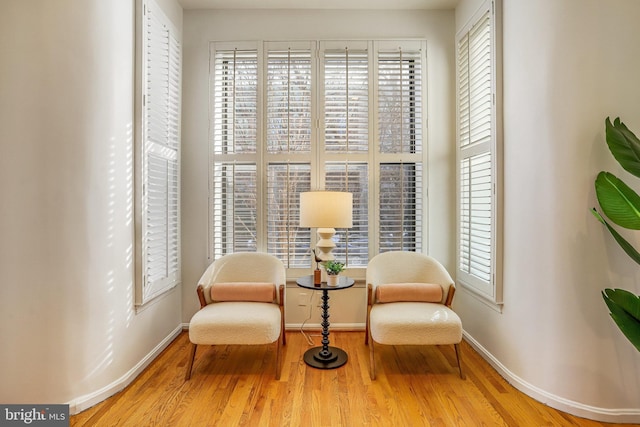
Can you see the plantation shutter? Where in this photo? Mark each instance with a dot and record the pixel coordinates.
(346, 100)
(400, 133)
(234, 173)
(400, 101)
(161, 154)
(289, 132)
(353, 177)
(235, 94)
(234, 226)
(345, 148)
(476, 221)
(294, 116)
(476, 156)
(400, 207)
(289, 101)
(286, 240)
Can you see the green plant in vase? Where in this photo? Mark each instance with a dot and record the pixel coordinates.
(333, 268)
(621, 205)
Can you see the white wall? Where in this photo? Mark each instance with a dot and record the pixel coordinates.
(201, 27)
(68, 327)
(568, 64)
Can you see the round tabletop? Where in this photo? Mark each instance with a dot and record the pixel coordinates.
(307, 282)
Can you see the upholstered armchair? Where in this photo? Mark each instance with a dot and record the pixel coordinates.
(409, 297)
(241, 302)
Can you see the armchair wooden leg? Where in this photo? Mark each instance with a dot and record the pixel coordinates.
(367, 324)
(459, 358)
(366, 332)
(192, 356)
(278, 356)
(372, 363)
(282, 322)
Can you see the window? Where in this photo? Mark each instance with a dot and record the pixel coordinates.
(478, 155)
(345, 140)
(289, 141)
(290, 117)
(234, 175)
(159, 151)
(400, 134)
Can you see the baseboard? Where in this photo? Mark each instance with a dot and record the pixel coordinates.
(88, 400)
(621, 415)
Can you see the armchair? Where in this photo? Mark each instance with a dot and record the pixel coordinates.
(241, 302)
(409, 297)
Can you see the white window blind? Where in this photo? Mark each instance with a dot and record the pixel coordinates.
(400, 101)
(353, 177)
(286, 240)
(475, 216)
(234, 221)
(346, 140)
(234, 183)
(289, 101)
(235, 90)
(400, 134)
(289, 97)
(346, 100)
(289, 117)
(400, 207)
(477, 142)
(161, 65)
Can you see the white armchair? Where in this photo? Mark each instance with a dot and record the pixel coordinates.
(409, 297)
(241, 302)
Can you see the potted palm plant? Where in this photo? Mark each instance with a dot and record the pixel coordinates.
(621, 205)
(333, 269)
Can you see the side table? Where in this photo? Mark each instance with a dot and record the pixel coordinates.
(325, 357)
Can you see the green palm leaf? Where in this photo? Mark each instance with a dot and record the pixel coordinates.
(624, 244)
(618, 201)
(625, 311)
(622, 205)
(624, 146)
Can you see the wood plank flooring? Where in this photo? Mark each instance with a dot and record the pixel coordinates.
(236, 386)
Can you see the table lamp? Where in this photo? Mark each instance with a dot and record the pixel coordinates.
(326, 211)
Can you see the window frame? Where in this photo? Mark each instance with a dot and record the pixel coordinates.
(318, 157)
(401, 158)
(290, 158)
(241, 158)
(488, 291)
(164, 147)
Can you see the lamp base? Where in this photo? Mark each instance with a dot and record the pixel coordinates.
(334, 357)
(325, 243)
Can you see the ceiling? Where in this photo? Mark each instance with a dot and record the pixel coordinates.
(319, 4)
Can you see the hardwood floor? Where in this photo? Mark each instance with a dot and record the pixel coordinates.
(236, 386)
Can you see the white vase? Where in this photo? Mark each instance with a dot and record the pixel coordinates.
(332, 279)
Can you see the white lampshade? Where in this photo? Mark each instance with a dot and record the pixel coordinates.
(326, 209)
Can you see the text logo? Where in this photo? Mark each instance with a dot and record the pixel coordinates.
(34, 415)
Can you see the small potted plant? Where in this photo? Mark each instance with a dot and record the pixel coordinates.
(333, 269)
